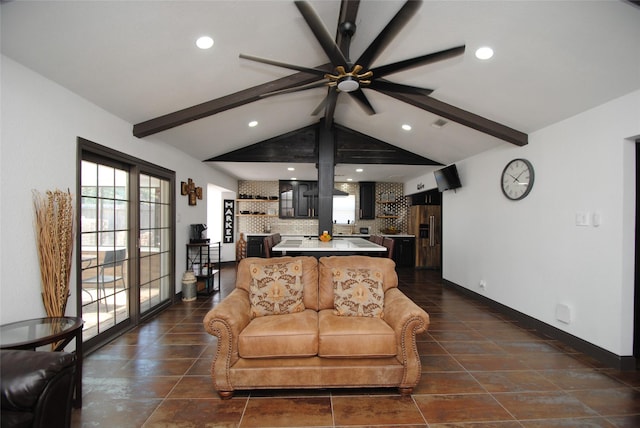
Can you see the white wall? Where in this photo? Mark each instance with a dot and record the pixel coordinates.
(40, 123)
(530, 252)
(215, 219)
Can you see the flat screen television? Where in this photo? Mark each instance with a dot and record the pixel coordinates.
(447, 178)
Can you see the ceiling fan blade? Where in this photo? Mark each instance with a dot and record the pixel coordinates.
(346, 25)
(362, 100)
(389, 33)
(418, 61)
(385, 85)
(320, 107)
(330, 107)
(313, 85)
(316, 71)
(322, 34)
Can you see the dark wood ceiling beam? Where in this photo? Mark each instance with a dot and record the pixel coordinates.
(462, 117)
(209, 108)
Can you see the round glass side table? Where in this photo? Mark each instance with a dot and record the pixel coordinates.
(33, 333)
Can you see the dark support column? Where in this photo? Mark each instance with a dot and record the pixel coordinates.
(326, 156)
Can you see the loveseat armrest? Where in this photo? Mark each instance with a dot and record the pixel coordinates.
(226, 321)
(407, 320)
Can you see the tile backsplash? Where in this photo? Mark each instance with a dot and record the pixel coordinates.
(271, 222)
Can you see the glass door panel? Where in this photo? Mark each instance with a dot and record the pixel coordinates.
(155, 242)
(104, 230)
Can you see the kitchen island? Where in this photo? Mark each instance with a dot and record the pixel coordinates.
(335, 247)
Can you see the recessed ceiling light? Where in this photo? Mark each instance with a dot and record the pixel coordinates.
(253, 123)
(204, 42)
(349, 179)
(291, 168)
(484, 52)
(406, 127)
(359, 170)
(294, 178)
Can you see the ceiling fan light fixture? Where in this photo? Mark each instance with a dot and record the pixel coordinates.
(204, 42)
(348, 84)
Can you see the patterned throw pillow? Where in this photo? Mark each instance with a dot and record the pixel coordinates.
(276, 289)
(358, 292)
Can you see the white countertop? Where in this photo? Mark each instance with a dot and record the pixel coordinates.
(336, 245)
(337, 235)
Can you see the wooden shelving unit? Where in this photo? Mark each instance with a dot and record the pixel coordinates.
(255, 201)
(385, 204)
(204, 260)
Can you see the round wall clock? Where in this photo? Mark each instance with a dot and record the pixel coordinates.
(517, 179)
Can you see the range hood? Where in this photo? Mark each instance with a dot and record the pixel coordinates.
(316, 191)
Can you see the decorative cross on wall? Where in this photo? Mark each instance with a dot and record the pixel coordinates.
(189, 188)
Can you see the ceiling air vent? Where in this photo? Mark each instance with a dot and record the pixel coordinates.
(439, 123)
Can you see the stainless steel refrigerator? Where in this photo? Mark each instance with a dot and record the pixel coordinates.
(425, 223)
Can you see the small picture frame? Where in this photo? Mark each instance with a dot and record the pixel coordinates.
(183, 188)
(192, 198)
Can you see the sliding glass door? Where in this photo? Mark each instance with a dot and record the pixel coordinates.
(125, 239)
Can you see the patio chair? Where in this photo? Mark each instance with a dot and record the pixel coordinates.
(114, 261)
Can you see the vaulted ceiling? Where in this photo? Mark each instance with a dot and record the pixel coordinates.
(137, 60)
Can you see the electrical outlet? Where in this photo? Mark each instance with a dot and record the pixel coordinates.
(483, 284)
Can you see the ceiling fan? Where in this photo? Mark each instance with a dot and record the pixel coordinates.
(349, 76)
(343, 75)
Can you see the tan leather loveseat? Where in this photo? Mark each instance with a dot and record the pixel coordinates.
(315, 346)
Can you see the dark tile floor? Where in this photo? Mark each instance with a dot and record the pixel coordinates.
(480, 369)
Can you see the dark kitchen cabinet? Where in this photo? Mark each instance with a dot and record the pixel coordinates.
(404, 251)
(367, 200)
(255, 246)
(286, 193)
(294, 203)
(307, 204)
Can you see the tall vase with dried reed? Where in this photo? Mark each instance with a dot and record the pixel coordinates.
(54, 227)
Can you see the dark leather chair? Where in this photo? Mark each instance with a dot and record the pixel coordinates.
(37, 388)
(389, 244)
(268, 244)
(376, 239)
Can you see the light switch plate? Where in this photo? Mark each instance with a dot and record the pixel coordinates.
(582, 218)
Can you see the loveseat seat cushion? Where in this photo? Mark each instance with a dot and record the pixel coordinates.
(354, 337)
(288, 335)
